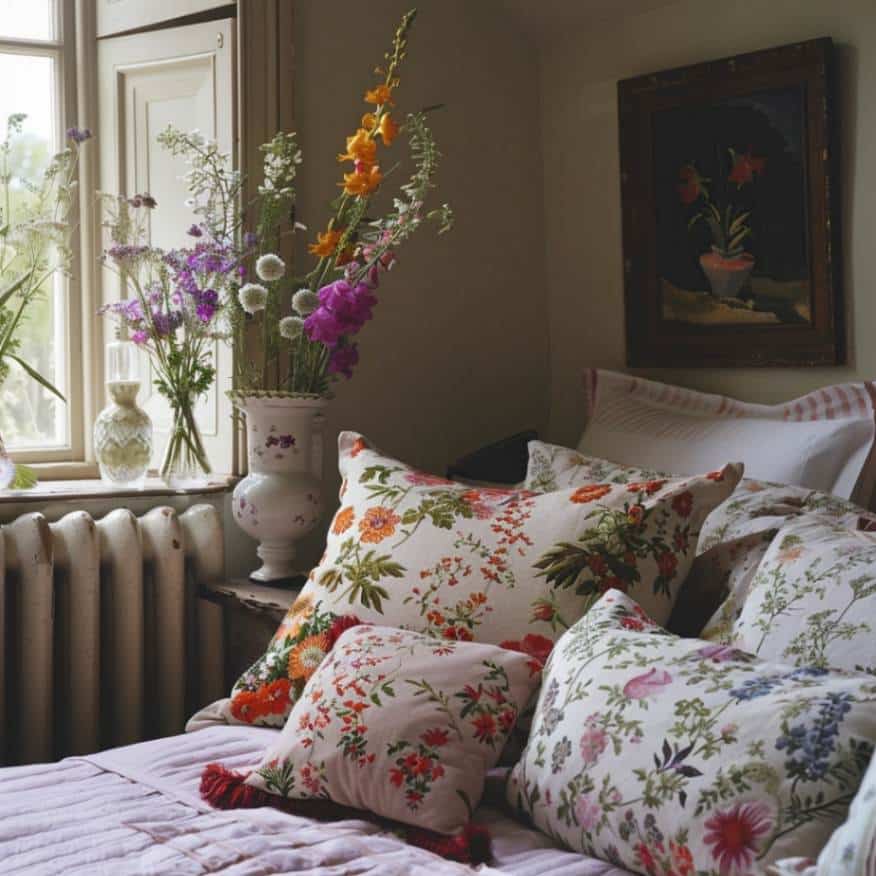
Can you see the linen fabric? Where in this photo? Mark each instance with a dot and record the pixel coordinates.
(400, 724)
(729, 763)
(823, 440)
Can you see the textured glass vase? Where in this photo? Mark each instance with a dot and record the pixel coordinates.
(123, 437)
(122, 430)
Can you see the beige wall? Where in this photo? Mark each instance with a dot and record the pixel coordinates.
(582, 193)
(457, 354)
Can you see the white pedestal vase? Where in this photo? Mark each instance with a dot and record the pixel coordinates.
(280, 500)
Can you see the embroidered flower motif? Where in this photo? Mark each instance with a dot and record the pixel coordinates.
(593, 742)
(682, 504)
(649, 487)
(734, 833)
(377, 524)
(589, 493)
(307, 655)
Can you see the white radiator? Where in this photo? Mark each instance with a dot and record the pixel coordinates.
(99, 627)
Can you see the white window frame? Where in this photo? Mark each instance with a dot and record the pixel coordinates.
(73, 51)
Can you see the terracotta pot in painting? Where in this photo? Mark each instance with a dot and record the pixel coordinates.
(727, 276)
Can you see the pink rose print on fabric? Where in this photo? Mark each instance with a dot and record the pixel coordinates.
(648, 685)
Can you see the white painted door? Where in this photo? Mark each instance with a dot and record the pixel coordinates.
(182, 76)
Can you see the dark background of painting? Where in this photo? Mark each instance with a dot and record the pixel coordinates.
(771, 124)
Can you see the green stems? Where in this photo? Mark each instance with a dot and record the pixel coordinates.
(185, 456)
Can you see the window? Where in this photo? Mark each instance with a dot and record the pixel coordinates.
(38, 74)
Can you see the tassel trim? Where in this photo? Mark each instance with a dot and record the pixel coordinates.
(226, 789)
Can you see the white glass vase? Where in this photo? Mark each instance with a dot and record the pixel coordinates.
(280, 500)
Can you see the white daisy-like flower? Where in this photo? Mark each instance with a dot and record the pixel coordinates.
(270, 267)
(253, 297)
(291, 327)
(304, 302)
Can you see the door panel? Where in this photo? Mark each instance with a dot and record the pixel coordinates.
(181, 76)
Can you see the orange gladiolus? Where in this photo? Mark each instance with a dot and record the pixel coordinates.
(360, 148)
(363, 183)
(326, 243)
(380, 95)
(387, 128)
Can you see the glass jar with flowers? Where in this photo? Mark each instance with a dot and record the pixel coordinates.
(35, 232)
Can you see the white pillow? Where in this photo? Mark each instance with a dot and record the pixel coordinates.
(823, 440)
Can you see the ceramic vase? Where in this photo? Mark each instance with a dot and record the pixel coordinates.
(280, 500)
(727, 276)
(123, 436)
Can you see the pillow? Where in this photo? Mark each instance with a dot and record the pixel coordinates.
(264, 693)
(412, 550)
(729, 763)
(736, 536)
(812, 601)
(733, 538)
(399, 724)
(823, 440)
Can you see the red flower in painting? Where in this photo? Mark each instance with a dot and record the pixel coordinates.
(745, 167)
(691, 185)
(735, 832)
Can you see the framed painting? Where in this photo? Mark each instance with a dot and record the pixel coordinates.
(730, 231)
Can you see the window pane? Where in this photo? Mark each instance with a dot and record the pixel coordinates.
(27, 19)
(30, 416)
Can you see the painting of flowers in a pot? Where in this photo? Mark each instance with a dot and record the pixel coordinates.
(730, 235)
(731, 217)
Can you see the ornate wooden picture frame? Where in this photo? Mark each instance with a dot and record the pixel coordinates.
(730, 227)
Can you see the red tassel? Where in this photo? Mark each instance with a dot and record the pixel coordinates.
(226, 789)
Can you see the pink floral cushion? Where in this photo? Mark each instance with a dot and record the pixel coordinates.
(669, 755)
(400, 724)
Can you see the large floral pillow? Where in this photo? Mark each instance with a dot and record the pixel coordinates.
(729, 762)
(415, 551)
(812, 601)
(400, 724)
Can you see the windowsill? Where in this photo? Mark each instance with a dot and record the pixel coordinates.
(96, 489)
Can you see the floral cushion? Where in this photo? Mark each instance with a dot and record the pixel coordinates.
(729, 763)
(733, 540)
(491, 565)
(264, 694)
(400, 724)
(812, 601)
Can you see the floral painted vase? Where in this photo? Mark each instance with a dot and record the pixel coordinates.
(280, 500)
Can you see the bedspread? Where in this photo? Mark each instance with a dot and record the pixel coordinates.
(136, 810)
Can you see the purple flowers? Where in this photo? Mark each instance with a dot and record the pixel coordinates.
(343, 309)
(78, 135)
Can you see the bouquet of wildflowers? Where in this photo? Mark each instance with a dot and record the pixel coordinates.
(180, 299)
(35, 232)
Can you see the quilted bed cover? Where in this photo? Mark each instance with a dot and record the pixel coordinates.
(136, 810)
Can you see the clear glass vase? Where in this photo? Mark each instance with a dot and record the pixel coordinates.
(185, 462)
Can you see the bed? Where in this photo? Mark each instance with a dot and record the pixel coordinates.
(136, 810)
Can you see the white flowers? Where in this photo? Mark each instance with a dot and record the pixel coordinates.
(304, 302)
(270, 267)
(291, 327)
(253, 297)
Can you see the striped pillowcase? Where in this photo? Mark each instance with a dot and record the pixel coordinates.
(823, 440)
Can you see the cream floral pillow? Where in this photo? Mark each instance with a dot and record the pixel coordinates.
(729, 763)
(415, 551)
(812, 601)
(401, 725)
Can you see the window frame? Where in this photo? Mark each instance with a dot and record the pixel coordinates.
(73, 53)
